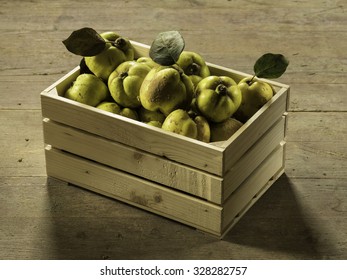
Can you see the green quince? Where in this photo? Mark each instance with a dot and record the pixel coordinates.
(217, 97)
(87, 89)
(155, 123)
(194, 66)
(114, 108)
(118, 49)
(255, 93)
(149, 116)
(178, 121)
(166, 88)
(125, 82)
(203, 127)
(129, 113)
(224, 130)
(148, 61)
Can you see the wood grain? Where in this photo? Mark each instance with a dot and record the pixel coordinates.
(302, 216)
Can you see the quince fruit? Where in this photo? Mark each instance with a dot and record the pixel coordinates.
(125, 82)
(113, 107)
(87, 89)
(217, 97)
(255, 93)
(224, 130)
(166, 88)
(118, 49)
(155, 123)
(149, 116)
(194, 66)
(178, 121)
(204, 131)
(148, 61)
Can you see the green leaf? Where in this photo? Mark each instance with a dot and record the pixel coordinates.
(85, 42)
(167, 47)
(270, 66)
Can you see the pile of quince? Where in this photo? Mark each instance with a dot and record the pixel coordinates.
(182, 97)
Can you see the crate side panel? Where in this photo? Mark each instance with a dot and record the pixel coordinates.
(253, 129)
(64, 82)
(250, 188)
(133, 133)
(133, 190)
(140, 49)
(249, 205)
(134, 161)
(253, 157)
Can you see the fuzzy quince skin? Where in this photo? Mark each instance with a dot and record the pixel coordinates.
(125, 82)
(87, 89)
(148, 61)
(217, 97)
(166, 88)
(114, 54)
(203, 127)
(194, 66)
(149, 116)
(178, 121)
(224, 130)
(255, 93)
(114, 108)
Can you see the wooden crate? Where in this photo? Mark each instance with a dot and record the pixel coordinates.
(208, 186)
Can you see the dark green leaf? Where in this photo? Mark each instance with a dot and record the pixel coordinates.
(85, 42)
(270, 66)
(167, 47)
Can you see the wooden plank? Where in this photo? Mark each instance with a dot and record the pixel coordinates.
(252, 189)
(134, 161)
(322, 127)
(316, 159)
(250, 204)
(21, 143)
(249, 161)
(254, 128)
(133, 190)
(307, 18)
(308, 154)
(124, 130)
(72, 223)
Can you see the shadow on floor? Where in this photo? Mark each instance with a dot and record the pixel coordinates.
(277, 222)
(83, 226)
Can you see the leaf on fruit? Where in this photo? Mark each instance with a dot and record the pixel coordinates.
(270, 66)
(85, 42)
(167, 47)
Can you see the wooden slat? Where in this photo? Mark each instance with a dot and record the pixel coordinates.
(303, 17)
(254, 128)
(133, 190)
(124, 130)
(134, 161)
(252, 189)
(249, 161)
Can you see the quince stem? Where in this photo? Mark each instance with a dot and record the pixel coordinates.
(221, 89)
(118, 43)
(194, 69)
(251, 80)
(123, 75)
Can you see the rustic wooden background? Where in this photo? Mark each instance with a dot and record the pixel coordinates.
(302, 216)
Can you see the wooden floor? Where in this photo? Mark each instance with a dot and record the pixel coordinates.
(302, 216)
